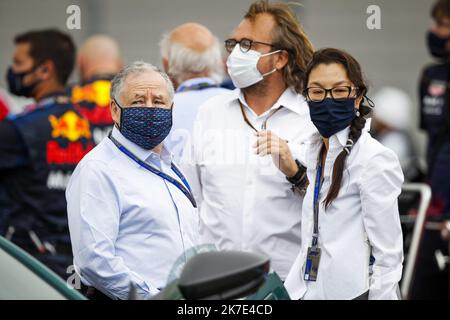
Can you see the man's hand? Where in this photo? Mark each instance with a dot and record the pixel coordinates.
(269, 143)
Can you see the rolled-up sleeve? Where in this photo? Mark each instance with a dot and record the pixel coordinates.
(94, 209)
(380, 187)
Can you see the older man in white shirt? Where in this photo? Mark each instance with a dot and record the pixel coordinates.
(131, 213)
(192, 57)
(246, 203)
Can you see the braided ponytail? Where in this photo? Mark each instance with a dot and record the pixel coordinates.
(356, 128)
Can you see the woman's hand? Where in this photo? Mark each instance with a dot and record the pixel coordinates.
(269, 143)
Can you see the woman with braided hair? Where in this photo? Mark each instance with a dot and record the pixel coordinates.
(350, 212)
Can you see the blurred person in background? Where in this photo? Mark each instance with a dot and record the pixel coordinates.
(246, 202)
(191, 55)
(431, 283)
(390, 126)
(40, 148)
(435, 115)
(99, 59)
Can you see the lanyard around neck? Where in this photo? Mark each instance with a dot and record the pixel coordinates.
(197, 87)
(264, 124)
(186, 189)
(317, 186)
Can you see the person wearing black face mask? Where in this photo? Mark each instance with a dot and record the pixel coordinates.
(40, 148)
(16, 82)
(435, 121)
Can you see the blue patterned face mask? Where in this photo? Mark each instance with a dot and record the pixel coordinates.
(145, 126)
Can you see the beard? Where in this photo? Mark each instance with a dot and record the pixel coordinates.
(259, 88)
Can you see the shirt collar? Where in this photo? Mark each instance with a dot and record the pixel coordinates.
(141, 153)
(340, 138)
(289, 99)
(195, 81)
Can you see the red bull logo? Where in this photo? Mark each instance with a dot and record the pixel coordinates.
(73, 128)
(97, 115)
(96, 93)
(74, 152)
(70, 126)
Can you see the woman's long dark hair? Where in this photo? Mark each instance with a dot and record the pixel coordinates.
(328, 56)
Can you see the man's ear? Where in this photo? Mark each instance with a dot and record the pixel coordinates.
(282, 59)
(165, 63)
(115, 111)
(46, 70)
(120, 64)
(80, 64)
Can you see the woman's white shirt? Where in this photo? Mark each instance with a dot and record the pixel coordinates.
(363, 217)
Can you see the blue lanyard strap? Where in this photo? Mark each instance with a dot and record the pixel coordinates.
(186, 190)
(317, 187)
(198, 86)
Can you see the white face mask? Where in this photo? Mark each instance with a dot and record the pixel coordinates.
(242, 67)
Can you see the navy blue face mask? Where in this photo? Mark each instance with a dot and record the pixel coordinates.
(15, 83)
(145, 126)
(437, 45)
(330, 116)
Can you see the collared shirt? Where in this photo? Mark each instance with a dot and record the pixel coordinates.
(361, 221)
(126, 223)
(245, 201)
(188, 98)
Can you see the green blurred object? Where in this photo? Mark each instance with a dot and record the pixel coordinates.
(42, 283)
(272, 289)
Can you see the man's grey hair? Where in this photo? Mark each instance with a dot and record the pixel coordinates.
(137, 67)
(183, 61)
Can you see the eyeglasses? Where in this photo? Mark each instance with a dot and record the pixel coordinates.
(244, 44)
(318, 94)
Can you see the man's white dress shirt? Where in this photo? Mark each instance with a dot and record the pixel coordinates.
(126, 223)
(190, 95)
(245, 201)
(363, 219)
